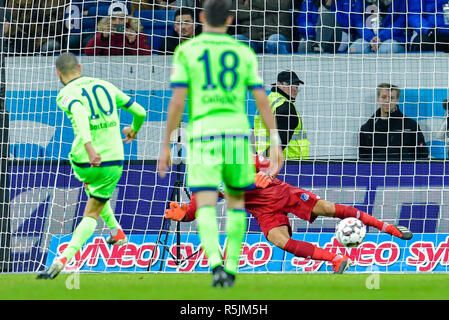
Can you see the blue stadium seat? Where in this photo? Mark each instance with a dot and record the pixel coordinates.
(158, 15)
(89, 24)
(162, 28)
(155, 42)
(164, 15)
(101, 10)
(147, 26)
(144, 14)
(154, 22)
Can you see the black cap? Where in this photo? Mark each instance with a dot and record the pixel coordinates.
(289, 77)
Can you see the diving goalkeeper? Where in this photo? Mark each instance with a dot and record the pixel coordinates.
(270, 202)
(97, 151)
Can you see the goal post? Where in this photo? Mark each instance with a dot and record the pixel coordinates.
(45, 201)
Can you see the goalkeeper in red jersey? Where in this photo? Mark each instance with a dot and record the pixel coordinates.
(270, 202)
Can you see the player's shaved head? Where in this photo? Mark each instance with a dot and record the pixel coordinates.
(67, 63)
(217, 11)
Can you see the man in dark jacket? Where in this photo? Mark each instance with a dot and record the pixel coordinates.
(293, 136)
(266, 25)
(389, 134)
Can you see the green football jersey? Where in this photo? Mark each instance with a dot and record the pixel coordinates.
(217, 70)
(100, 99)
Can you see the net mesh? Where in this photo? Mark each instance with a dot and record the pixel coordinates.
(42, 201)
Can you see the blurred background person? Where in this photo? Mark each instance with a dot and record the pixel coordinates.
(184, 29)
(118, 34)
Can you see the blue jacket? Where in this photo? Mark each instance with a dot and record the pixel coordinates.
(307, 19)
(344, 10)
(431, 18)
(393, 25)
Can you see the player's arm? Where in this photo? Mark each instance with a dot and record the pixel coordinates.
(276, 158)
(139, 113)
(80, 117)
(263, 178)
(184, 213)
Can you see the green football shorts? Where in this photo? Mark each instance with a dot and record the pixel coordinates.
(100, 182)
(217, 159)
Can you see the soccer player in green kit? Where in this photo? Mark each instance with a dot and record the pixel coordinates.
(97, 151)
(215, 71)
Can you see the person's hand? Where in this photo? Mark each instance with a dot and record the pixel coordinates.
(131, 35)
(94, 157)
(106, 32)
(164, 161)
(263, 180)
(374, 43)
(129, 133)
(176, 212)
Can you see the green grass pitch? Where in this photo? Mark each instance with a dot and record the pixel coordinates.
(158, 286)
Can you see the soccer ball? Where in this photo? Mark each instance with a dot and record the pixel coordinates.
(350, 232)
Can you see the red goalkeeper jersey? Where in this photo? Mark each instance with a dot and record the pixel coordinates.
(273, 199)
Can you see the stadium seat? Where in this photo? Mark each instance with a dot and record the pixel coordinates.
(158, 15)
(164, 15)
(156, 22)
(101, 11)
(156, 42)
(88, 24)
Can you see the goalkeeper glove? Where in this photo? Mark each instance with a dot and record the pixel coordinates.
(176, 212)
(263, 180)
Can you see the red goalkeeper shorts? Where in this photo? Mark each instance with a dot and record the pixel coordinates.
(300, 203)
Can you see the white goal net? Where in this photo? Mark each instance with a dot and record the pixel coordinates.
(326, 43)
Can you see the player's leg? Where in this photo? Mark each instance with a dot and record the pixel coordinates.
(235, 232)
(103, 189)
(117, 236)
(238, 176)
(280, 236)
(204, 167)
(330, 209)
(85, 228)
(101, 184)
(82, 233)
(208, 227)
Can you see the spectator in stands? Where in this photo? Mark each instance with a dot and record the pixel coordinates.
(381, 26)
(323, 25)
(36, 26)
(290, 127)
(80, 20)
(184, 29)
(306, 21)
(9, 46)
(265, 25)
(389, 134)
(118, 34)
(430, 24)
